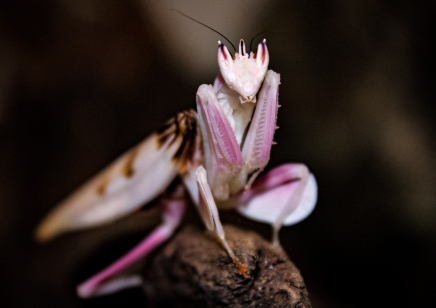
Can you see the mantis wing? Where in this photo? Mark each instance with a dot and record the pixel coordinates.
(137, 177)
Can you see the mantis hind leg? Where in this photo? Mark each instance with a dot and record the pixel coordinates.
(300, 177)
(110, 279)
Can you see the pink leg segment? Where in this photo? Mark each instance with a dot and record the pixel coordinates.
(274, 178)
(173, 211)
(283, 196)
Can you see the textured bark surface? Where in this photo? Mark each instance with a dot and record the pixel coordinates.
(194, 271)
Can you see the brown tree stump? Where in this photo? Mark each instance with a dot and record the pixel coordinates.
(193, 270)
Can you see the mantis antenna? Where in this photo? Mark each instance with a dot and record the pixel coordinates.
(251, 42)
(199, 22)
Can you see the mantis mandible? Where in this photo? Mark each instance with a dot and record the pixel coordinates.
(216, 152)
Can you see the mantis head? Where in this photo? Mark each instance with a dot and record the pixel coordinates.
(244, 73)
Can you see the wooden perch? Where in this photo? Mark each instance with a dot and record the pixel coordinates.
(192, 270)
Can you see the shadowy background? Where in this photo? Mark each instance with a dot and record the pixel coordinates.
(82, 81)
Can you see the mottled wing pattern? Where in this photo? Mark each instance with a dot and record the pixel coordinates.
(137, 177)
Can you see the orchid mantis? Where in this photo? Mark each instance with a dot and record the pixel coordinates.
(217, 154)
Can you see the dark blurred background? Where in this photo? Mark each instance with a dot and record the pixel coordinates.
(82, 81)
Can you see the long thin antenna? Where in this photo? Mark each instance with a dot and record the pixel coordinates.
(206, 27)
(251, 42)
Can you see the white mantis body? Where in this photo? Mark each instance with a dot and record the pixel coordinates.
(217, 152)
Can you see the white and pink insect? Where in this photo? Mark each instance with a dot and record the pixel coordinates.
(216, 152)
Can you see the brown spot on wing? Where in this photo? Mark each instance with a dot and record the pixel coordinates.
(187, 156)
(128, 169)
(101, 188)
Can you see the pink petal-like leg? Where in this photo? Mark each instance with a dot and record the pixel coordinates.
(106, 281)
(301, 175)
(284, 196)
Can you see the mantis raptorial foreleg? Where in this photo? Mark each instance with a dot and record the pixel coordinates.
(223, 158)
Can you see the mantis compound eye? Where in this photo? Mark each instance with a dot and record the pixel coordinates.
(225, 59)
(262, 55)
